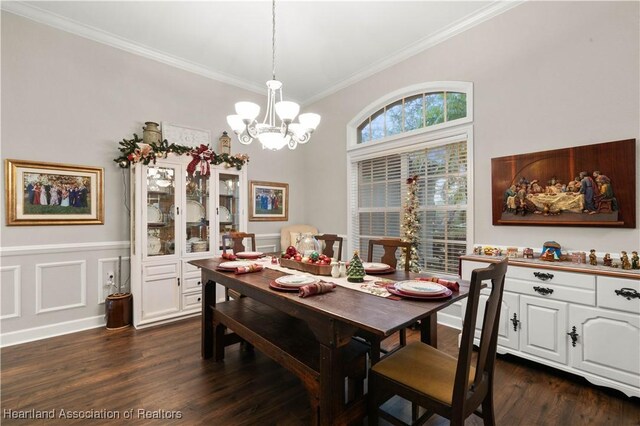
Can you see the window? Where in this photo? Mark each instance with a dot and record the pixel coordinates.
(420, 130)
(412, 113)
(380, 185)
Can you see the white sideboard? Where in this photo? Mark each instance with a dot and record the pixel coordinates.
(583, 320)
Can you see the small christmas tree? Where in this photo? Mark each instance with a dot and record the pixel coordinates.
(355, 271)
(411, 225)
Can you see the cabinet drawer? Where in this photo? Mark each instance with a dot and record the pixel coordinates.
(162, 269)
(548, 276)
(607, 297)
(189, 269)
(557, 292)
(191, 284)
(191, 302)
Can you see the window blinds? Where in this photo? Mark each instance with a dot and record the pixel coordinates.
(379, 189)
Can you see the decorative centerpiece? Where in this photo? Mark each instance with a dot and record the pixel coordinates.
(315, 263)
(355, 271)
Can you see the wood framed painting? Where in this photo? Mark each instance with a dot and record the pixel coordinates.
(269, 201)
(589, 185)
(53, 194)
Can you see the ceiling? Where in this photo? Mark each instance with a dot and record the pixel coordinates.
(321, 46)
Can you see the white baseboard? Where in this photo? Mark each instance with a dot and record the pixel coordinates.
(450, 320)
(46, 331)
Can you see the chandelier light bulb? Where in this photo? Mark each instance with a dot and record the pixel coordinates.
(287, 110)
(247, 110)
(309, 120)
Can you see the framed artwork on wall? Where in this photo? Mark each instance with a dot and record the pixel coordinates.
(269, 201)
(53, 194)
(589, 185)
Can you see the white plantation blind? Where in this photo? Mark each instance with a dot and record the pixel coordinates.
(379, 188)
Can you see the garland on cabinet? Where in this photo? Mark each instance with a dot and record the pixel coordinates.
(136, 151)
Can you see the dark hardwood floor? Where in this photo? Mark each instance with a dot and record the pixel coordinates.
(159, 370)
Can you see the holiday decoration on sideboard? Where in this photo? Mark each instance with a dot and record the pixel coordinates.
(135, 151)
(411, 224)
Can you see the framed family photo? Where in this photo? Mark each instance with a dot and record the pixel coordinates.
(53, 194)
(269, 201)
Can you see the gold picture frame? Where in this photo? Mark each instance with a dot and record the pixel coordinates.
(38, 193)
(269, 201)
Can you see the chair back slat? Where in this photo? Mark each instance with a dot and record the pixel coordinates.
(329, 242)
(237, 239)
(390, 246)
(489, 335)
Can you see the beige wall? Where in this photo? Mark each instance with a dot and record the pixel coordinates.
(546, 75)
(67, 99)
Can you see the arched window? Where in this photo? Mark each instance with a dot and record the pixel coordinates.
(424, 131)
(412, 113)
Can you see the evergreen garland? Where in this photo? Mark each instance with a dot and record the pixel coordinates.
(136, 151)
(411, 225)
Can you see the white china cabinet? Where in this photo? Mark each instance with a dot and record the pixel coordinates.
(177, 218)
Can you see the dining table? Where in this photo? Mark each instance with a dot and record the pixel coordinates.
(312, 339)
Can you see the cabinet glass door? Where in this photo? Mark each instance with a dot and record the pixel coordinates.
(228, 204)
(196, 214)
(160, 210)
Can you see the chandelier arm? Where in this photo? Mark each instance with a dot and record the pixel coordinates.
(273, 39)
(293, 142)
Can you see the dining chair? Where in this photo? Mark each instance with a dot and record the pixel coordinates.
(329, 242)
(390, 246)
(437, 381)
(237, 239)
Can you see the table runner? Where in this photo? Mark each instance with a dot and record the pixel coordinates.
(368, 286)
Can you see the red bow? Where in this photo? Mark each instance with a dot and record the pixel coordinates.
(202, 157)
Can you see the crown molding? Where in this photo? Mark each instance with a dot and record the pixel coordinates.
(494, 9)
(65, 24)
(86, 31)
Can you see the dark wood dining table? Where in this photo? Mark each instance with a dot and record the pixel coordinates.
(333, 318)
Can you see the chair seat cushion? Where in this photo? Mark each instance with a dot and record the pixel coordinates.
(423, 368)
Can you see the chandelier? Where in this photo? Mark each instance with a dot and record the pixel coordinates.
(271, 135)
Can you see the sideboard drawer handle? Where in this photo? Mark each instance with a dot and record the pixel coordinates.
(628, 293)
(543, 276)
(543, 290)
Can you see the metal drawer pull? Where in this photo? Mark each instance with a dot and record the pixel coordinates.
(543, 290)
(515, 322)
(628, 293)
(543, 276)
(574, 336)
(199, 299)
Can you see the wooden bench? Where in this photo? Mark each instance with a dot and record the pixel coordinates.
(289, 342)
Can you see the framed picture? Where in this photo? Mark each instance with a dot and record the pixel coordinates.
(53, 194)
(269, 201)
(588, 185)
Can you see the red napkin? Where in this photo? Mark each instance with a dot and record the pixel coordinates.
(315, 288)
(247, 269)
(229, 256)
(451, 285)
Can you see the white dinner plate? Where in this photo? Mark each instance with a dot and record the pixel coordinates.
(225, 215)
(419, 287)
(369, 266)
(234, 264)
(295, 280)
(154, 215)
(249, 254)
(154, 245)
(195, 211)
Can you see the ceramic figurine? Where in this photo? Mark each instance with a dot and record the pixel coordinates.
(635, 260)
(527, 253)
(607, 260)
(593, 260)
(624, 259)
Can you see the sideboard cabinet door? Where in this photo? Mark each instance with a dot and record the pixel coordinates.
(544, 328)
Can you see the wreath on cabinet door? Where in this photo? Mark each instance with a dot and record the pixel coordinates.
(133, 151)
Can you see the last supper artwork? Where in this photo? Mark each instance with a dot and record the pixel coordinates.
(590, 185)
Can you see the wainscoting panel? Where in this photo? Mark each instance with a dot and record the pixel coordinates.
(107, 265)
(61, 285)
(10, 292)
(48, 290)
